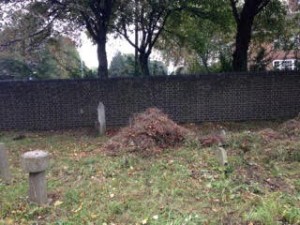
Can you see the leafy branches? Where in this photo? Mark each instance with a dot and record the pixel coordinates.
(148, 23)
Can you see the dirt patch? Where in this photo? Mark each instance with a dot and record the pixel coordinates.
(259, 175)
(150, 132)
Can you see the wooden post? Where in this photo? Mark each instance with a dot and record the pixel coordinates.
(35, 163)
(5, 174)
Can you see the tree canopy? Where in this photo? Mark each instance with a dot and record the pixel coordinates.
(202, 36)
(123, 65)
(26, 53)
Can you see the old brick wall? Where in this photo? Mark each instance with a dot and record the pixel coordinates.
(60, 104)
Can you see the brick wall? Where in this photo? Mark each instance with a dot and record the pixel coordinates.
(59, 104)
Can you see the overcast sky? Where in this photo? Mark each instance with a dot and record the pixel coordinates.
(88, 51)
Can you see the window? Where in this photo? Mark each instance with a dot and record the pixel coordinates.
(276, 65)
(289, 64)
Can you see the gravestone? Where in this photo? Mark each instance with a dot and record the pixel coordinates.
(101, 119)
(222, 156)
(36, 163)
(5, 174)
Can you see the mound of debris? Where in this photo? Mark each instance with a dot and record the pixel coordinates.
(211, 140)
(291, 127)
(149, 132)
(269, 135)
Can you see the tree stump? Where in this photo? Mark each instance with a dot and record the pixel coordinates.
(36, 163)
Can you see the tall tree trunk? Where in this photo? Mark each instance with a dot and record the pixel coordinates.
(102, 56)
(244, 30)
(242, 42)
(143, 60)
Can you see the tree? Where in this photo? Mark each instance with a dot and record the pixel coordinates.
(57, 58)
(41, 56)
(146, 18)
(244, 14)
(94, 15)
(35, 24)
(122, 65)
(272, 25)
(198, 36)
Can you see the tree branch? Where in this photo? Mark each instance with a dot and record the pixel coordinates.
(45, 29)
(234, 10)
(89, 26)
(262, 6)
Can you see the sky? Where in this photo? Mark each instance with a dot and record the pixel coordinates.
(88, 51)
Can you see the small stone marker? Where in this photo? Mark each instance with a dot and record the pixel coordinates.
(101, 118)
(36, 163)
(222, 156)
(5, 174)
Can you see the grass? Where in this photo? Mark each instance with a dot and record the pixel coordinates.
(184, 186)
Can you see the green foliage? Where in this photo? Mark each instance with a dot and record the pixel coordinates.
(198, 36)
(30, 50)
(146, 20)
(122, 65)
(56, 58)
(14, 67)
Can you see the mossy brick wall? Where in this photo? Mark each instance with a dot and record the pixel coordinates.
(60, 104)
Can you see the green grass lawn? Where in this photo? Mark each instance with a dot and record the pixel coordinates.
(179, 186)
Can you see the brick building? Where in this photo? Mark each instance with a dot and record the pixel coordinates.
(287, 60)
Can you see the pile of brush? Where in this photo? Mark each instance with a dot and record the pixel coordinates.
(149, 132)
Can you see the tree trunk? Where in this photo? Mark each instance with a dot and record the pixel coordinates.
(240, 55)
(102, 57)
(243, 36)
(143, 60)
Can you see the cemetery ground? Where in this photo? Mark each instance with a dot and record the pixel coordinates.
(184, 185)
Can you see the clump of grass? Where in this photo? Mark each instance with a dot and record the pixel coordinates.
(292, 215)
(285, 151)
(267, 211)
(245, 141)
(274, 209)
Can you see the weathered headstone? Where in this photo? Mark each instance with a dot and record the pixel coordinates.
(101, 118)
(5, 174)
(36, 163)
(222, 156)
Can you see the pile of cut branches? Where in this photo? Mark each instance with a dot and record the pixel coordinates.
(149, 132)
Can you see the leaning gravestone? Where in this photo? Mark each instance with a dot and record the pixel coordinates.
(222, 156)
(36, 163)
(5, 174)
(101, 119)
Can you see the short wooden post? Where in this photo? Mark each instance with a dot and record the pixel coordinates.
(36, 163)
(5, 174)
